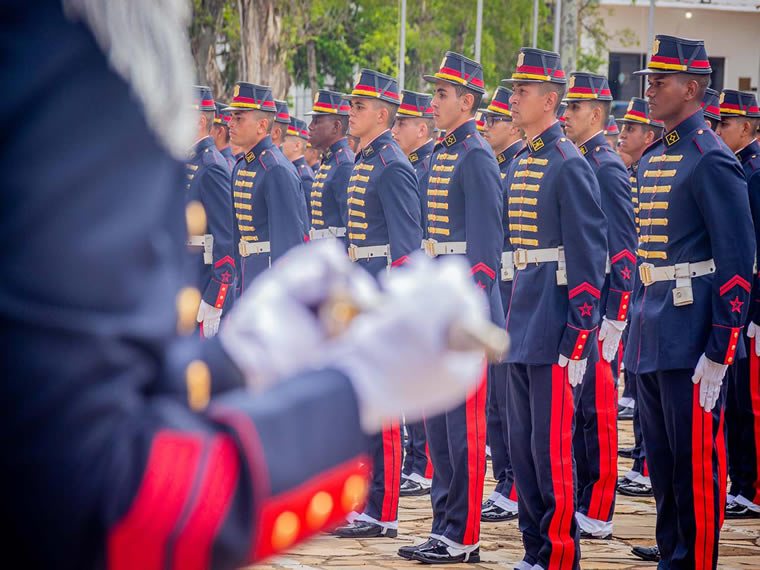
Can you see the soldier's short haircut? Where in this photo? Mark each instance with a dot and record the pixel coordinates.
(605, 107)
(703, 82)
(558, 88)
(390, 107)
(656, 130)
(430, 123)
(209, 116)
(461, 91)
(258, 115)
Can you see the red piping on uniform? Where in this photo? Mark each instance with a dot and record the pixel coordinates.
(400, 261)
(754, 394)
(475, 418)
(391, 463)
(561, 461)
(720, 450)
(213, 499)
(484, 268)
(623, 254)
(702, 484)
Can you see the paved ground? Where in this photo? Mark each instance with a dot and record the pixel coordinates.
(501, 546)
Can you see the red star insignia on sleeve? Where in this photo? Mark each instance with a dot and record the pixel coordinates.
(736, 305)
(226, 276)
(585, 310)
(626, 272)
(481, 285)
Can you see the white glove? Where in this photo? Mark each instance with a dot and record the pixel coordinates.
(210, 317)
(709, 375)
(753, 331)
(610, 333)
(274, 330)
(398, 356)
(575, 369)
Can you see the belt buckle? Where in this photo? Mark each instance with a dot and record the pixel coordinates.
(430, 247)
(242, 249)
(521, 258)
(645, 274)
(352, 252)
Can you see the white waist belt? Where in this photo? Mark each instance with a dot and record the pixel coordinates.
(507, 266)
(681, 273)
(205, 241)
(356, 252)
(247, 248)
(434, 248)
(522, 257)
(331, 232)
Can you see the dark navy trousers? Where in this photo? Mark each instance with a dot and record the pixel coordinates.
(498, 434)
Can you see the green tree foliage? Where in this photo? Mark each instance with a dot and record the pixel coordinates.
(326, 41)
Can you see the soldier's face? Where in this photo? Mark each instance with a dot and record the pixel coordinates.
(246, 129)
(735, 132)
(633, 139)
(322, 130)
(529, 104)
(579, 117)
(448, 109)
(666, 95)
(362, 118)
(406, 132)
(291, 147)
(497, 133)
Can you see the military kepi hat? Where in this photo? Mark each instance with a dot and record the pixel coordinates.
(415, 104)
(204, 100)
(583, 86)
(611, 128)
(480, 120)
(376, 85)
(537, 66)
(677, 55)
(252, 97)
(329, 103)
(738, 104)
(283, 113)
(638, 113)
(711, 105)
(499, 104)
(459, 70)
(222, 117)
(297, 128)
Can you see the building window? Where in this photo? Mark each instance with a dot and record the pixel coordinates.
(623, 83)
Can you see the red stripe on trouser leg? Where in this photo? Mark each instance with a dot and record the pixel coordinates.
(603, 490)
(720, 450)
(513, 492)
(429, 467)
(754, 392)
(139, 540)
(644, 468)
(475, 410)
(702, 483)
(391, 466)
(217, 487)
(561, 459)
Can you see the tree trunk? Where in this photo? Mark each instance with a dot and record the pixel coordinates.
(261, 27)
(311, 60)
(207, 22)
(568, 46)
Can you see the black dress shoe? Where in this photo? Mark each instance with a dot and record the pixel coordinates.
(626, 452)
(408, 551)
(634, 489)
(411, 488)
(495, 513)
(648, 553)
(588, 536)
(625, 414)
(736, 510)
(487, 504)
(364, 529)
(438, 553)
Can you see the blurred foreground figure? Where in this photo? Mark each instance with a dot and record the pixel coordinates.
(105, 465)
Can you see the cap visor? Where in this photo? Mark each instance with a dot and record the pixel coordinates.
(434, 79)
(510, 81)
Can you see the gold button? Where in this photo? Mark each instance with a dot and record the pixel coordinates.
(583, 336)
(188, 301)
(198, 382)
(320, 508)
(625, 306)
(700, 131)
(195, 215)
(285, 530)
(576, 357)
(730, 358)
(580, 347)
(733, 347)
(354, 492)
